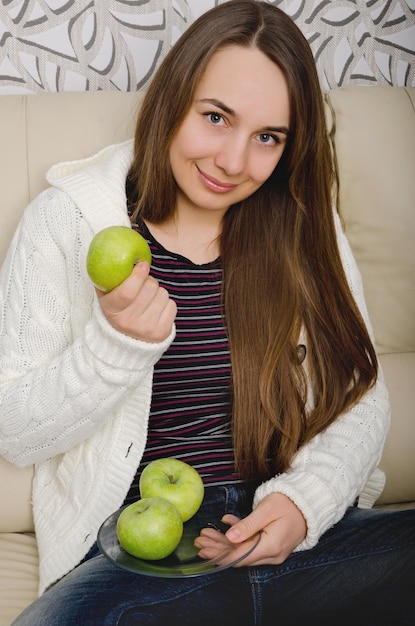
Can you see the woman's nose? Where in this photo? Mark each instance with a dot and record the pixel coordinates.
(232, 156)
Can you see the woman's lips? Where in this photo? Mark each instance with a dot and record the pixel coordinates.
(213, 184)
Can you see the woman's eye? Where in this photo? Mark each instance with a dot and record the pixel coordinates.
(215, 118)
(267, 139)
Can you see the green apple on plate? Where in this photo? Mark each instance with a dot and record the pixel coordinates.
(150, 528)
(112, 254)
(175, 481)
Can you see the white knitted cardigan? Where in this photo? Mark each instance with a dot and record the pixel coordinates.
(75, 393)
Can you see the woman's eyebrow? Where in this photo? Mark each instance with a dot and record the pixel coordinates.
(278, 129)
(219, 104)
(229, 111)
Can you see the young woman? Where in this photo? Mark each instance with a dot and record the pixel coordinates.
(245, 350)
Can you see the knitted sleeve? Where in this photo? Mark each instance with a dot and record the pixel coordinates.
(63, 368)
(329, 473)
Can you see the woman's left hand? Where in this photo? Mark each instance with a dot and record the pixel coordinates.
(277, 518)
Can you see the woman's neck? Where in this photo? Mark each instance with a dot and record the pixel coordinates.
(194, 236)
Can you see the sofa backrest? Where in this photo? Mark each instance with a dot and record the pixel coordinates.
(374, 136)
(37, 131)
(373, 129)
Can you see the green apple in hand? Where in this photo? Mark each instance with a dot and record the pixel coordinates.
(112, 254)
(176, 481)
(150, 528)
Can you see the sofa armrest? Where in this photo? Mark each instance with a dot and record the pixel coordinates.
(15, 497)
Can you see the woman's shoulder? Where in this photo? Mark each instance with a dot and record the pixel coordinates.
(110, 158)
(53, 210)
(86, 194)
(96, 185)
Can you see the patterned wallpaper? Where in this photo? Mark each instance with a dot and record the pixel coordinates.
(78, 45)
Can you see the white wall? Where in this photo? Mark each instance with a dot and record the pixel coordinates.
(72, 45)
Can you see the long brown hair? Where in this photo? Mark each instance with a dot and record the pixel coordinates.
(281, 265)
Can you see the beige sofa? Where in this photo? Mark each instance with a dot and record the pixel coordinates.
(373, 130)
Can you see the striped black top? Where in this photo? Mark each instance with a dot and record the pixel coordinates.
(190, 408)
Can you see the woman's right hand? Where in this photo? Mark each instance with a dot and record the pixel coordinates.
(139, 307)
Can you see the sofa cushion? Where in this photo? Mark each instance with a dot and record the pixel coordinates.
(375, 149)
(43, 129)
(15, 497)
(374, 131)
(398, 460)
(19, 579)
(13, 174)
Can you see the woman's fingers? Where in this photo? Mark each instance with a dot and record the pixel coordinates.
(139, 307)
(276, 519)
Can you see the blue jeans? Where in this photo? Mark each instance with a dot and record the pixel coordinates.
(360, 573)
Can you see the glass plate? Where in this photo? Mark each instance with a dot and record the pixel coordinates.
(183, 562)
